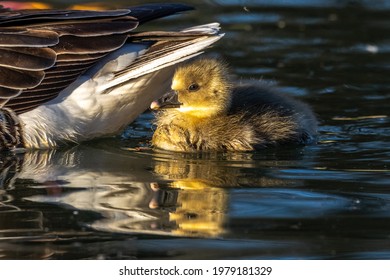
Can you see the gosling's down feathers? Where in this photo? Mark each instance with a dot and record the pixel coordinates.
(211, 112)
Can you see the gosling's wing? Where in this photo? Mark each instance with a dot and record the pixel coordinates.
(43, 52)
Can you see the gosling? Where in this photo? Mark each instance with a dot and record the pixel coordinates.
(208, 111)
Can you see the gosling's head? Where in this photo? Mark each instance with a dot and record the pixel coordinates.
(201, 87)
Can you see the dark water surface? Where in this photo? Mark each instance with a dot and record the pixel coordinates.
(109, 200)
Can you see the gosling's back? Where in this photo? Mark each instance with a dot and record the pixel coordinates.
(276, 118)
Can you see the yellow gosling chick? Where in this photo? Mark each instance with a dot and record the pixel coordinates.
(208, 111)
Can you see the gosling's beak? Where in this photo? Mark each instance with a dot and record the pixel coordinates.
(168, 100)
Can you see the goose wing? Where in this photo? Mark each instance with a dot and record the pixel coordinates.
(43, 51)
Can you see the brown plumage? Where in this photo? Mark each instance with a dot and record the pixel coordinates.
(216, 114)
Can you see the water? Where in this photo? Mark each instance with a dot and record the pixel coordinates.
(114, 199)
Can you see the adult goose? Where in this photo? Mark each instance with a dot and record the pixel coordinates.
(69, 76)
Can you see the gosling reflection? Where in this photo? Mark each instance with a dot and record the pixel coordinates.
(198, 209)
(202, 185)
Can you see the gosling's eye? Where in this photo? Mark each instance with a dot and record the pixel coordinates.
(193, 87)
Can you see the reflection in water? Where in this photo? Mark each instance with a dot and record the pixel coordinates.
(100, 197)
(183, 196)
(200, 210)
(201, 182)
(66, 194)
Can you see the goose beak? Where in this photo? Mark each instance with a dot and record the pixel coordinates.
(167, 101)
